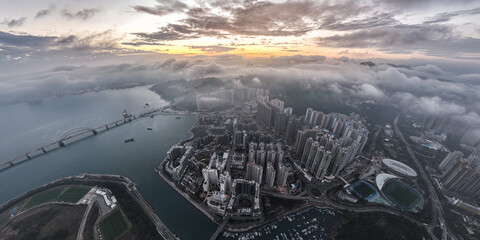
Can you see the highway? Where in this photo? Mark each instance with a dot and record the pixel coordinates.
(438, 214)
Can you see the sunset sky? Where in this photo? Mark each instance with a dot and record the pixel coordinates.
(37, 30)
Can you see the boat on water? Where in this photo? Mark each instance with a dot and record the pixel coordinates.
(149, 128)
(178, 118)
(129, 140)
(125, 114)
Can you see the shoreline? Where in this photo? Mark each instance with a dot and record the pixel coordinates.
(197, 205)
(214, 218)
(125, 182)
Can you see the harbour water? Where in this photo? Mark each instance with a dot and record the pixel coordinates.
(26, 126)
(309, 223)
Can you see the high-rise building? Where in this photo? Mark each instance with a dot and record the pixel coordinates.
(322, 168)
(280, 125)
(251, 155)
(271, 155)
(463, 176)
(313, 165)
(311, 154)
(211, 175)
(270, 175)
(308, 114)
(282, 175)
(225, 183)
(449, 160)
(268, 109)
(301, 138)
(257, 173)
(306, 150)
(261, 157)
(340, 161)
(292, 128)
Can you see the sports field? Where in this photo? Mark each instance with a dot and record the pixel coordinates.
(401, 194)
(113, 225)
(364, 190)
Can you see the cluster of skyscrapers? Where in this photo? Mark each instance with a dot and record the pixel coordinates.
(326, 142)
(461, 175)
(268, 159)
(329, 143)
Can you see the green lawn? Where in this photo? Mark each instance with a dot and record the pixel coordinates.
(113, 225)
(70, 194)
(43, 197)
(73, 194)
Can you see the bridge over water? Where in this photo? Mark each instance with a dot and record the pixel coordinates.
(77, 134)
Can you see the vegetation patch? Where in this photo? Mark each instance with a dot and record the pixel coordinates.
(73, 194)
(44, 197)
(113, 225)
(69, 194)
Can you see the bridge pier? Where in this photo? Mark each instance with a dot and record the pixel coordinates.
(43, 149)
(61, 144)
(94, 132)
(26, 155)
(106, 126)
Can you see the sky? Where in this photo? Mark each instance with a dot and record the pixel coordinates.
(393, 29)
(427, 52)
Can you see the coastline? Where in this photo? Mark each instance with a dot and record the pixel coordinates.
(204, 209)
(123, 181)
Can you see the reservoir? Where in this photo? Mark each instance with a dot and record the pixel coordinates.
(25, 126)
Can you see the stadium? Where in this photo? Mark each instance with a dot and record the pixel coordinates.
(399, 193)
(364, 190)
(399, 168)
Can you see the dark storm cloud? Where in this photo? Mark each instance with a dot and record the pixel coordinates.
(164, 7)
(83, 14)
(447, 16)
(14, 22)
(264, 18)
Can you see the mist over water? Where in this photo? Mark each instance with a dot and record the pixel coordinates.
(27, 126)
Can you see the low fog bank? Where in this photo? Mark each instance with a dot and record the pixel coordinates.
(423, 89)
